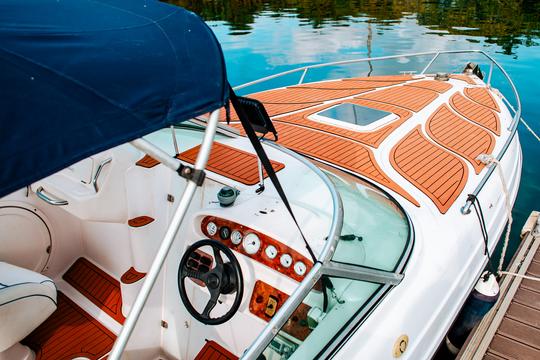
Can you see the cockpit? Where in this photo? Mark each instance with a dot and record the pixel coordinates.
(373, 246)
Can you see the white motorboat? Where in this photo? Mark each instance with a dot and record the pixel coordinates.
(363, 242)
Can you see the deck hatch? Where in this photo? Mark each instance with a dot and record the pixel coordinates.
(354, 114)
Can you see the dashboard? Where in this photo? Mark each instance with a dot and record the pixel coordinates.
(257, 246)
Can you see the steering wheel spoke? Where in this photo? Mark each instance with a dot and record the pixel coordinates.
(224, 278)
(195, 274)
(217, 256)
(214, 296)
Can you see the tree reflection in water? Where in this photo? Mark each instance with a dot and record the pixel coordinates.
(507, 23)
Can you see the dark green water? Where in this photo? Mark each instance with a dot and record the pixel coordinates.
(260, 38)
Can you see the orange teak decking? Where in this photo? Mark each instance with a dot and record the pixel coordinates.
(438, 86)
(460, 136)
(438, 173)
(337, 150)
(483, 97)
(476, 113)
(464, 125)
(230, 162)
(98, 286)
(465, 78)
(408, 97)
(68, 333)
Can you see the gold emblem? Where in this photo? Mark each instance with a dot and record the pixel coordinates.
(400, 345)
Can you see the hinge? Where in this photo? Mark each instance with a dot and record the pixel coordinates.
(189, 173)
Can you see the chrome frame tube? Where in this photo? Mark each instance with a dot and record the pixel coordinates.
(303, 76)
(355, 272)
(430, 63)
(490, 74)
(155, 152)
(170, 235)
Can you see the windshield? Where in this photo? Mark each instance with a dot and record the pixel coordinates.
(375, 231)
(375, 234)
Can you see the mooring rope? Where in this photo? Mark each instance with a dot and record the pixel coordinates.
(488, 160)
(530, 129)
(528, 277)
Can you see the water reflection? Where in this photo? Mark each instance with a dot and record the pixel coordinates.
(507, 24)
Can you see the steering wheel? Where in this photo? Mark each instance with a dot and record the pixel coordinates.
(223, 278)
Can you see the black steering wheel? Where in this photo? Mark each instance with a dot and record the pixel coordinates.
(223, 278)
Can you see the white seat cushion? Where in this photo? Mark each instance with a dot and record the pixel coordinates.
(26, 300)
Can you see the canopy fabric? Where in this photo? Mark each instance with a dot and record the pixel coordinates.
(78, 77)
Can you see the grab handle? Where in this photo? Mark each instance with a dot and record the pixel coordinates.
(98, 172)
(40, 192)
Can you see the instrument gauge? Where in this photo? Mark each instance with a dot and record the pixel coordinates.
(271, 251)
(286, 260)
(224, 232)
(236, 237)
(300, 268)
(251, 243)
(211, 228)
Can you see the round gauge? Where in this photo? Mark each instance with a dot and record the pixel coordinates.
(271, 251)
(211, 228)
(300, 268)
(236, 237)
(286, 260)
(224, 232)
(251, 243)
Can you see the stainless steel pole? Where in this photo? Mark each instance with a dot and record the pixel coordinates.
(168, 239)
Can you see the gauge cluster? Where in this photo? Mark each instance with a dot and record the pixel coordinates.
(257, 246)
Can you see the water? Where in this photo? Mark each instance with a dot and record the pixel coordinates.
(260, 38)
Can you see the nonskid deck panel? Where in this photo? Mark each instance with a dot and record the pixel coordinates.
(476, 113)
(68, 333)
(482, 97)
(98, 286)
(460, 136)
(438, 86)
(233, 163)
(462, 77)
(436, 172)
(342, 152)
(408, 97)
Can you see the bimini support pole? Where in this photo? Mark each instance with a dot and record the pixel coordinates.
(161, 255)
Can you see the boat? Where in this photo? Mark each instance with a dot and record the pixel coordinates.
(148, 211)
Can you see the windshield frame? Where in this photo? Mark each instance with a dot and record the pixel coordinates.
(325, 266)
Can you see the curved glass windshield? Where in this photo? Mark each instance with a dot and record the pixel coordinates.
(375, 231)
(375, 234)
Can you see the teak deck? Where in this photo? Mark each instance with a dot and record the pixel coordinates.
(70, 332)
(433, 157)
(231, 162)
(99, 287)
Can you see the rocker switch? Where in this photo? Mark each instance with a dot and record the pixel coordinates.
(271, 306)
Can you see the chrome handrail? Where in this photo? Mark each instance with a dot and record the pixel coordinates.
(95, 178)
(43, 195)
(465, 209)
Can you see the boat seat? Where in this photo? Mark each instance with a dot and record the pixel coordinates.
(26, 300)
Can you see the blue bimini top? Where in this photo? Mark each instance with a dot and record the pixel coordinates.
(80, 77)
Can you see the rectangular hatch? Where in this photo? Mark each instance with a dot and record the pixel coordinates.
(354, 114)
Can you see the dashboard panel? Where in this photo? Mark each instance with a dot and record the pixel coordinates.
(257, 246)
(265, 302)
